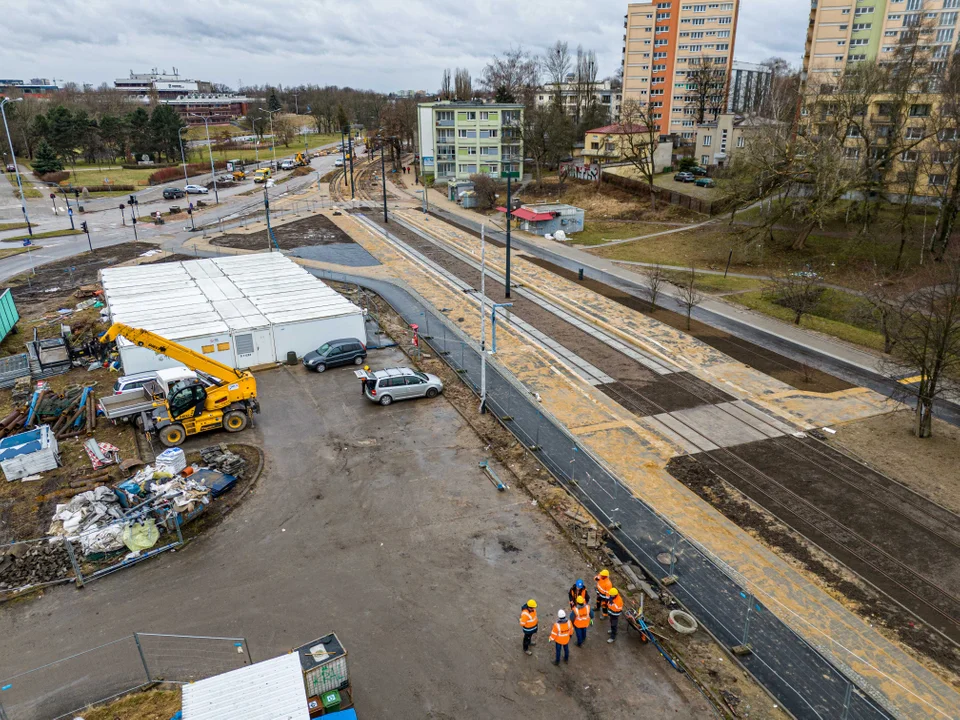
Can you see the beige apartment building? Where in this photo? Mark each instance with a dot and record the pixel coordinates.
(664, 40)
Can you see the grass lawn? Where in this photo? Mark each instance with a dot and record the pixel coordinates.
(48, 234)
(314, 141)
(199, 132)
(838, 314)
(598, 231)
(28, 190)
(115, 174)
(887, 216)
(9, 252)
(712, 284)
(12, 226)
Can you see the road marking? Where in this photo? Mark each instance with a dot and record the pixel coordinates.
(911, 380)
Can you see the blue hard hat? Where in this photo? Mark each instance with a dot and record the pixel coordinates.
(579, 583)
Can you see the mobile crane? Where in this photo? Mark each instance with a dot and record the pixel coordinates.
(227, 397)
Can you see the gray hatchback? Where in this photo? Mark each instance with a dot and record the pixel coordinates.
(385, 386)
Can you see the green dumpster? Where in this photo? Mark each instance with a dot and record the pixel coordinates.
(330, 701)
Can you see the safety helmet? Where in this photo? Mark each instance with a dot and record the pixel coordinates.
(580, 600)
(531, 603)
(561, 614)
(614, 592)
(579, 583)
(367, 368)
(604, 573)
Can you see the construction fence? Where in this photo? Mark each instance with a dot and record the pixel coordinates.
(799, 675)
(68, 685)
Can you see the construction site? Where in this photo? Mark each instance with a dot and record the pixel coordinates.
(766, 571)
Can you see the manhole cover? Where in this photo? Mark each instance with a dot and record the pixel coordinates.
(665, 558)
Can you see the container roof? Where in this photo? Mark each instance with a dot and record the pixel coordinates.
(268, 690)
(194, 298)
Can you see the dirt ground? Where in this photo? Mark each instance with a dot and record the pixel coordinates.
(930, 467)
(601, 201)
(706, 663)
(315, 230)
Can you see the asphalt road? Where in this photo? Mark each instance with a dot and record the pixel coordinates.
(374, 523)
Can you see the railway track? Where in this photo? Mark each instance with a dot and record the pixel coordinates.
(910, 560)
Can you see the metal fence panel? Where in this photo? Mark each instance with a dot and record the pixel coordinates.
(183, 659)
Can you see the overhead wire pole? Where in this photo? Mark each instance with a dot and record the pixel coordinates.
(183, 157)
(383, 175)
(483, 320)
(16, 168)
(350, 150)
(213, 173)
(507, 283)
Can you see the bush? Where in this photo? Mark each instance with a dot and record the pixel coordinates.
(108, 188)
(54, 177)
(486, 189)
(687, 163)
(172, 173)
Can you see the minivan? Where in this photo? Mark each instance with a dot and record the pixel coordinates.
(166, 378)
(287, 165)
(336, 352)
(400, 383)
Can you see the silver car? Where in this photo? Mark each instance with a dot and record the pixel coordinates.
(385, 386)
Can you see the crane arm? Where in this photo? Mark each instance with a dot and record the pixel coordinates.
(160, 345)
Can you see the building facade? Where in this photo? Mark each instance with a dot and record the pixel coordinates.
(615, 143)
(604, 94)
(460, 139)
(664, 42)
(749, 84)
(36, 88)
(718, 141)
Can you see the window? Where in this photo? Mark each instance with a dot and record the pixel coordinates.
(699, 8)
(663, 16)
(845, 11)
(468, 169)
(856, 58)
(951, 4)
(724, 20)
(470, 150)
(914, 133)
(942, 157)
(723, 46)
(864, 10)
(890, 33)
(488, 150)
(740, 141)
(594, 146)
(947, 134)
(914, 4)
(938, 179)
(919, 111)
(884, 109)
(696, 35)
(948, 18)
(707, 139)
(698, 21)
(851, 153)
(858, 26)
(704, 159)
(853, 131)
(945, 35)
(461, 133)
(471, 115)
(723, 33)
(909, 156)
(860, 41)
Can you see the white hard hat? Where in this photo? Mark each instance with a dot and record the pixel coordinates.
(561, 614)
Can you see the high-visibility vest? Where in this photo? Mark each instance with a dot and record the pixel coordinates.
(528, 619)
(581, 616)
(615, 605)
(562, 630)
(603, 586)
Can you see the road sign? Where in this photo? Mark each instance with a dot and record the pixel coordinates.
(70, 212)
(26, 242)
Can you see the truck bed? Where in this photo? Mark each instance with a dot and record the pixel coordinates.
(132, 402)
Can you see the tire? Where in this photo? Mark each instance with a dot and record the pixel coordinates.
(234, 421)
(320, 368)
(432, 393)
(172, 435)
(358, 360)
(386, 400)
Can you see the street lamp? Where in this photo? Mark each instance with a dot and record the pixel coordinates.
(273, 138)
(16, 168)
(182, 156)
(213, 172)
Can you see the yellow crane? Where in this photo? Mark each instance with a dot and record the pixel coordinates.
(226, 399)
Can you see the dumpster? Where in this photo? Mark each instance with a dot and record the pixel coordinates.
(324, 665)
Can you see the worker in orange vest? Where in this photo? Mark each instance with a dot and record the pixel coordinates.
(575, 591)
(582, 617)
(562, 630)
(529, 624)
(603, 591)
(615, 608)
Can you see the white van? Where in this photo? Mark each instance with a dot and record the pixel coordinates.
(166, 378)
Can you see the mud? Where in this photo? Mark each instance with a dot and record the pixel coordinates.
(311, 231)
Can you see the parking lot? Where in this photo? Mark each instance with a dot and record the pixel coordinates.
(373, 522)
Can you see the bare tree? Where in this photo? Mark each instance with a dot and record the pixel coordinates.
(512, 77)
(945, 157)
(463, 84)
(798, 292)
(706, 88)
(446, 92)
(928, 342)
(882, 293)
(655, 277)
(547, 135)
(585, 82)
(689, 295)
(638, 140)
(556, 64)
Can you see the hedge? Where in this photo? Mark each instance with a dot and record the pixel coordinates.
(103, 188)
(54, 177)
(157, 166)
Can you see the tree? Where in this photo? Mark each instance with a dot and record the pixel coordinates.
(655, 278)
(62, 132)
(283, 130)
(463, 84)
(547, 135)
(485, 188)
(639, 139)
(165, 124)
(928, 342)
(798, 292)
(585, 83)
(880, 291)
(706, 88)
(45, 159)
(445, 85)
(689, 295)
(556, 64)
(138, 123)
(113, 135)
(273, 102)
(513, 77)
(343, 123)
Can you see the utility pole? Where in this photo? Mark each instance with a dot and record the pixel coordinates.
(507, 284)
(16, 168)
(273, 138)
(350, 149)
(483, 320)
(266, 205)
(183, 157)
(383, 176)
(213, 172)
(133, 215)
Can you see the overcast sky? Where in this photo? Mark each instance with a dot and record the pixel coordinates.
(380, 44)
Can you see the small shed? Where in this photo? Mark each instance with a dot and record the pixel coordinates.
(455, 190)
(28, 453)
(548, 218)
(268, 690)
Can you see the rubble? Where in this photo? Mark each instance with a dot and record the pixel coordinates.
(222, 459)
(26, 564)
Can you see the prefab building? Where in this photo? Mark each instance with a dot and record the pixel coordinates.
(243, 310)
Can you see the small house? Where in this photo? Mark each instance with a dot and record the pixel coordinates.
(548, 218)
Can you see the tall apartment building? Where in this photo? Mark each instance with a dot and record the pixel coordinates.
(460, 139)
(749, 83)
(843, 31)
(664, 41)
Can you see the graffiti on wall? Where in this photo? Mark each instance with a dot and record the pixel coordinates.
(590, 173)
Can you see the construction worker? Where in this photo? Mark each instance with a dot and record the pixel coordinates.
(615, 608)
(577, 591)
(603, 591)
(529, 624)
(363, 380)
(582, 617)
(562, 630)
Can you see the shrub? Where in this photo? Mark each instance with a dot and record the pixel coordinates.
(54, 177)
(687, 163)
(486, 189)
(108, 188)
(172, 173)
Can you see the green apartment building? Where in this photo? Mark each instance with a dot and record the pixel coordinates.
(460, 139)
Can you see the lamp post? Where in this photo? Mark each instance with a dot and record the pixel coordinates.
(16, 168)
(273, 138)
(256, 141)
(182, 156)
(483, 319)
(383, 175)
(213, 173)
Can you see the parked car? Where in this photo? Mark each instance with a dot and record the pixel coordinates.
(338, 162)
(11, 167)
(698, 171)
(401, 383)
(287, 165)
(195, 190)
(705, 182)
(165, 378)
(173, 193)
(336, 352)
(684, 177)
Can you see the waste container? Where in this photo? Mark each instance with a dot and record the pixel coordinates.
(330, 701)
(291, 357)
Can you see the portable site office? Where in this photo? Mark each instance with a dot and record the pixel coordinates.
(244, 310)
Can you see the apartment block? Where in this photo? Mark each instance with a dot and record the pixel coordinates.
(604, 94)
(663, 42)
(460, 139)
(748, 87)
(844, 31)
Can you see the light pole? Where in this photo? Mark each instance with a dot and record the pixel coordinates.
(213, 173)
(273, 138)
(383, 175)
(182, 156)
(16, 168)
(493, 323)
(483, 319)
(256, 140)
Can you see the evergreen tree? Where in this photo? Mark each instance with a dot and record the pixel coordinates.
(138, 123)
(62, 132)
(113, 134)
(165, 124)
(342, 120)
(45, 159)
(273, 103)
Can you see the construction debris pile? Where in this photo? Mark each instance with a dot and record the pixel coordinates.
(72, 412)
(26, 564)
(220, 458)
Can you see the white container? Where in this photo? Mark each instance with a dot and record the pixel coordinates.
(31, 452)
(171, 460)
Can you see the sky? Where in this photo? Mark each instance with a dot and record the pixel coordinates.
(384, 45)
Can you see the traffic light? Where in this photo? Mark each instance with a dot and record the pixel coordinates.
(133, 200)
(53, 196)
(83, 226)
(122, 206)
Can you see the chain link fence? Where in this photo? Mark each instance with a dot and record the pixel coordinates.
(67, 685)
(799, 675)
